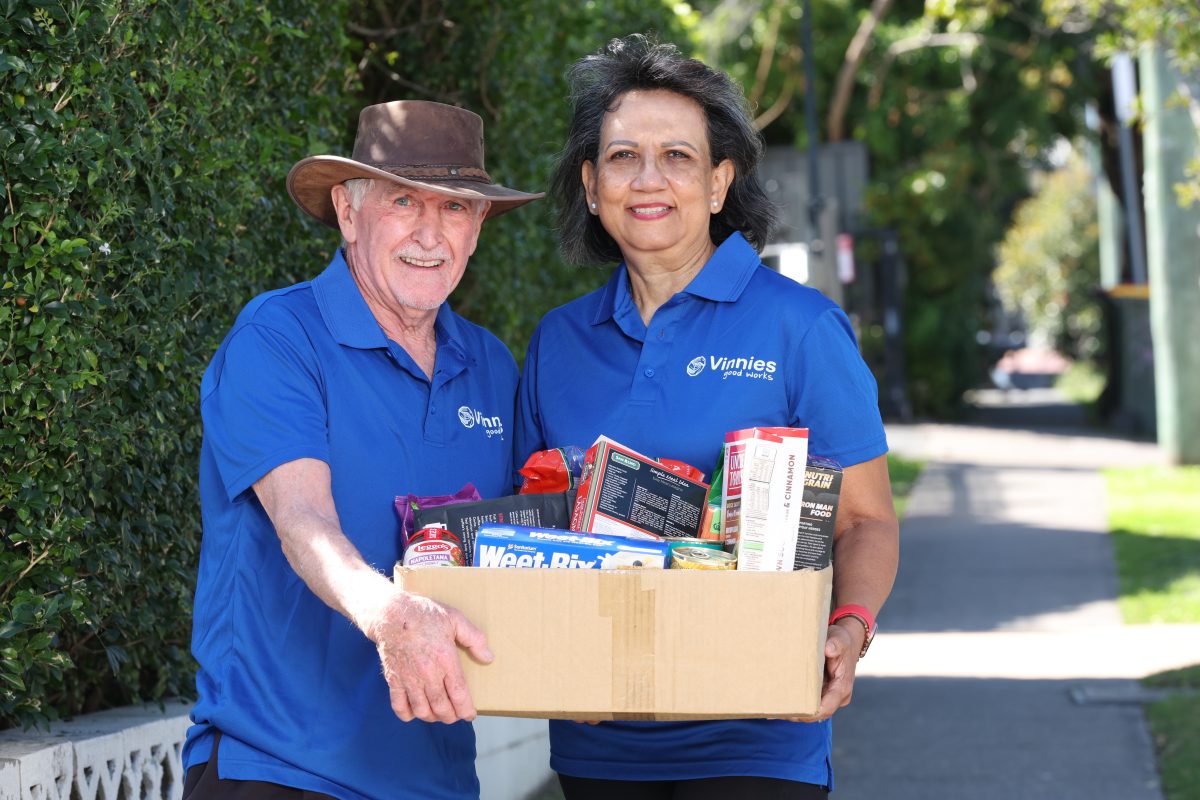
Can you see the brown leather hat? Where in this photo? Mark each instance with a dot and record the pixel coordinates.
(414, 142)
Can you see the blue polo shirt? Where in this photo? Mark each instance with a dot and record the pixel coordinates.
(740, 346)
(296, 691)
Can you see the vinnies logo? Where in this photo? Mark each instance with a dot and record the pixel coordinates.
(470, 417)
(751, 367)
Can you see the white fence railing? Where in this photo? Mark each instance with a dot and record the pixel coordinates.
(133, 753)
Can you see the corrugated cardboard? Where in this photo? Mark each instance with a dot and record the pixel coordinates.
(640, 644)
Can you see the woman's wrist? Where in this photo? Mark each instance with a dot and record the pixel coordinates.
(859, 621)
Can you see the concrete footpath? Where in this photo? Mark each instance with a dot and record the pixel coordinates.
(1002, 669)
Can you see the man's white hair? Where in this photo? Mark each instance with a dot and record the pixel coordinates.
(359, 188)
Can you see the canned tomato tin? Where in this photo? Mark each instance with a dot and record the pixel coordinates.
(434, 546)
(702, 558)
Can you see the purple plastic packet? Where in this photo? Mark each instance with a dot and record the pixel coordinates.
(407, 504)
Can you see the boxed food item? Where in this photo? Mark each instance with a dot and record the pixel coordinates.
(818, 515)
(641, 644)
(518, 546)
(764, 484)
(464, 519)
(624, 493)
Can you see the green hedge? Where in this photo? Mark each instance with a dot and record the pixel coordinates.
(143, 150)
(143, 147)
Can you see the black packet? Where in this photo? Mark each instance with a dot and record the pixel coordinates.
(818, 514)
(532, 510)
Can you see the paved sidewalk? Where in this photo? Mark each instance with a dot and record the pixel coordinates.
(1003, 669)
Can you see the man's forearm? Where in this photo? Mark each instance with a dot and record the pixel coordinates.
(296, 496)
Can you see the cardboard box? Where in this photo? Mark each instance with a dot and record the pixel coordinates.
(640, 644)
(624, 493)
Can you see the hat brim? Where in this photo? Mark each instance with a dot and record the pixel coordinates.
(309, 183)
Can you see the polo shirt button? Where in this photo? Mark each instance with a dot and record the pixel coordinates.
(649, 372)
(433, 409)
(661, 333)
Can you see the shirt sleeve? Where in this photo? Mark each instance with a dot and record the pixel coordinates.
(834, 394)
(529, 436)
(263, 404)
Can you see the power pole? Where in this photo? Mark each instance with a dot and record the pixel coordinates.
(1169, 141)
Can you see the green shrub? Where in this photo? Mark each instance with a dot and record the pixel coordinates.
(143, 147)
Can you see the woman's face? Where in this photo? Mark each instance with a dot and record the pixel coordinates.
(653, 182)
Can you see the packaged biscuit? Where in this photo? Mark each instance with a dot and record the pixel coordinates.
(624, 493)
(543, 548)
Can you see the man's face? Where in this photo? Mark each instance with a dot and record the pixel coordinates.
(408, 247)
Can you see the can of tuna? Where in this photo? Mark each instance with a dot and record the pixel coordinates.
(702, 558)
(434, 546)
(677, 542)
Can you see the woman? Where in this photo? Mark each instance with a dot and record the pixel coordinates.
(659, 174)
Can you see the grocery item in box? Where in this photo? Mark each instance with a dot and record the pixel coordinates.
(519, 546)
(764, 485)
(710, 522)
(533, 510)
(556, 470)
(408, 504)
(624, 493)
(818, 515)
(701, 558)
(433, 546)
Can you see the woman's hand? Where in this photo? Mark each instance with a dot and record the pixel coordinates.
(842, 646)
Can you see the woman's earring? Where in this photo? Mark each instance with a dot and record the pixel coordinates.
(593, 206)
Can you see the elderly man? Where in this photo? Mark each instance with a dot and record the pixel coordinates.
(318, 677)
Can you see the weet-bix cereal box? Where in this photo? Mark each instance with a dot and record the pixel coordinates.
(547, 548)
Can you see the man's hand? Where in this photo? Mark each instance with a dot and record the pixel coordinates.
(417, 638)
(418, 643)
(841, 660)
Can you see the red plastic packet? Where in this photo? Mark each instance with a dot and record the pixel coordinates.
(552, 471)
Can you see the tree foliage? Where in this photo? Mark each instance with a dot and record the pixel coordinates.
(1049, 265)
(1127, 25)
(955, 101)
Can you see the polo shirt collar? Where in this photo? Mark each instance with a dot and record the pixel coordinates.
(344, 309)
(723, 279)
(351, 323)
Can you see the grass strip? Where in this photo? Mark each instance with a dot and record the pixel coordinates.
(1154, 517)
(903, 473)
(1175, 727)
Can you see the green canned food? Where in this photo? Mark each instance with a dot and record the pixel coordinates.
(702, 558)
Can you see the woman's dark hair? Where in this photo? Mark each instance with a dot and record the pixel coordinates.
(638, 62)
